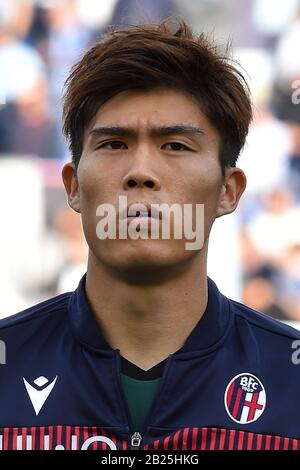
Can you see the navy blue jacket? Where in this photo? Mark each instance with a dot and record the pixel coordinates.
(233, 385)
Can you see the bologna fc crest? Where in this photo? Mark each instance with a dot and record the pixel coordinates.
(245, 398)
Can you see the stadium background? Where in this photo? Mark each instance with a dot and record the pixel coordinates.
(254, 253)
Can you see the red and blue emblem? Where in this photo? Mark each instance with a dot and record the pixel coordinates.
(245, 398)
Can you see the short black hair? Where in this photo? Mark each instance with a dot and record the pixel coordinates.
(165, 55)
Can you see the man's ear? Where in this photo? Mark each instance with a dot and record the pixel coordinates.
(69, 176)
(234, 185)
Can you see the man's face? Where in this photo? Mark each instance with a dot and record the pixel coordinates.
(159, 149)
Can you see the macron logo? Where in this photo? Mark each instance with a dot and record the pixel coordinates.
(39, 395)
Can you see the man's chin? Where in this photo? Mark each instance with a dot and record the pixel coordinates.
(141, 262)
(146, 254)
(145, 265)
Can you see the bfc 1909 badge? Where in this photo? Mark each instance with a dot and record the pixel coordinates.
(245, 398)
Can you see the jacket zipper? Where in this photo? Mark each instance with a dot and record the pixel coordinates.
(136, 440)
(135, 437)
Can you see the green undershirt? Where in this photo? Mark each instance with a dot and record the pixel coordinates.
(140, 395)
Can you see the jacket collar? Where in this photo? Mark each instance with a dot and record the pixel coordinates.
(207, 334)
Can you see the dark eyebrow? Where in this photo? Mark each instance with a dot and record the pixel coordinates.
(155, 131)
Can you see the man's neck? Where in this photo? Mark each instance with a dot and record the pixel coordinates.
(148, 322)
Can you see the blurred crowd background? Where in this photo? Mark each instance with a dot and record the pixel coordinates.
(42, 248)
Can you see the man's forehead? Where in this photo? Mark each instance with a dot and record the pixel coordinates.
(155, 112)
(159, 105)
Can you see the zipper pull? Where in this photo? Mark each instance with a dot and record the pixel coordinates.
(136, 440)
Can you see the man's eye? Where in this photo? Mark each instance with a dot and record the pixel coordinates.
(175, 146)
(112, 145)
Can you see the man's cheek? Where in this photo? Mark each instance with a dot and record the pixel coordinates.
(91, 192)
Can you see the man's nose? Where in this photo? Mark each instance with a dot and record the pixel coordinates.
(140, 175)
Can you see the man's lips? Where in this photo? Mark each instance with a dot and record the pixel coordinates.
(140, 210)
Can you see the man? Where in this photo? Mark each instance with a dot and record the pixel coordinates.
(147, 353)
